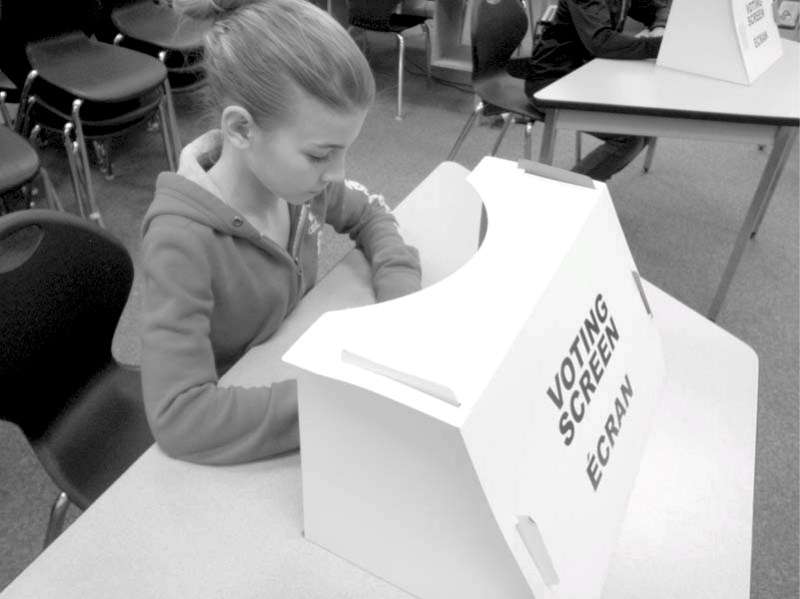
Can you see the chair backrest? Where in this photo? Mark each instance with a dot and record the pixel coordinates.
(63, 285)
(371, 14)
(497, 29)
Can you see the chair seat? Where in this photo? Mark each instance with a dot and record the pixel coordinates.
(159, 26)
(93, 70)
(19, 162)
(85, 460)
(397, 23)
(506, 93)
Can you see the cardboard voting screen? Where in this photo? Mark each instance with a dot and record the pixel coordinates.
(732, 40)
(480, 438)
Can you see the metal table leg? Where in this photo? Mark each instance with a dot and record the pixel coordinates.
(758, 206)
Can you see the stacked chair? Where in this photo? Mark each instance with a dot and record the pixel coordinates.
(154, 28)
(82, 88)
(19, 162)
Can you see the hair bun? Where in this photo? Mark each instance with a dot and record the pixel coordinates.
(208, 9)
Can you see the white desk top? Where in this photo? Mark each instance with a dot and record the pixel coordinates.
(642, 87)
(174, 529)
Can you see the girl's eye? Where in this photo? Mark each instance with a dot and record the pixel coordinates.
(320, 158)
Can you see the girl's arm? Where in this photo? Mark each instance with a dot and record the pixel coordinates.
(652, 13)
(366, 218)
(597, 33)
(191, 417)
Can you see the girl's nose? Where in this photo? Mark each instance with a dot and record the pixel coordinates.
(335, 170)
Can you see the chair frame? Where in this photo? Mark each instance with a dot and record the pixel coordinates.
(401, 52)
(53, 200)
(75, 141)
(150, 47)
(507, 116)
(89, 395)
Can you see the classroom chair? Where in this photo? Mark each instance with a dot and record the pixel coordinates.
(20, 165)
(152, 28)
(381, 16)
(63, 285)
(497, 28)
(83, 88)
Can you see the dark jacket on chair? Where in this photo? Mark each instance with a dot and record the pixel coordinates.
(586, 29)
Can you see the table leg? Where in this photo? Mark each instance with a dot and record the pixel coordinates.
(780, 153)
(548, 137)
(755, 213)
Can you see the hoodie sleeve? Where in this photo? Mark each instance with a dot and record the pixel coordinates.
(652, 13)
(594, 26)
(191, 417)
(366, 218)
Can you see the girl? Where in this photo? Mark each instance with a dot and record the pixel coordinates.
(230, 241)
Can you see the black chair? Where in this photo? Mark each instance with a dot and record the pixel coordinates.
(20, 166)
(497, 29)
(381, 15)
(153, 27)
(63, 285)
(83, 87)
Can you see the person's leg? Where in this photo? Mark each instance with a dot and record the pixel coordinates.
(611, 157)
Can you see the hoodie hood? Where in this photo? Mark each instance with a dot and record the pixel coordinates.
(190, 194)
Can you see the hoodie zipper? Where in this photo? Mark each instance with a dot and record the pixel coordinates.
(292, 253)
(297, 239)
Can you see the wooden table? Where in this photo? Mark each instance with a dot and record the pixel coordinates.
(168, 528)
(641, 98)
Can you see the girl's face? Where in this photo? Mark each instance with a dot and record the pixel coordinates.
(299, 158)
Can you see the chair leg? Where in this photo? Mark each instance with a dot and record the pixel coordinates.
(401, 52)
(577, 147)
(22, 122)
(73, 153)
(171, 122)
(426, 31)
(56, 522)
(651, 152)
(507, 118)
(463, 135)
(168, 147)
(103, 153)
(94, 213)
(50, 191)
(527, 151)
(4, 112)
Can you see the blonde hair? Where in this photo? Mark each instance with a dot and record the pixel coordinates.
(259, 52)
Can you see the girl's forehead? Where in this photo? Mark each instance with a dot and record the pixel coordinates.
(317, 123)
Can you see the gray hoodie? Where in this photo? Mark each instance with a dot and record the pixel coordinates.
(214, 287)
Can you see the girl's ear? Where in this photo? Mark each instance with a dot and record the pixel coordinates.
(237, 125)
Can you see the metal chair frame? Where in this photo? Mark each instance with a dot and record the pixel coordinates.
(75, 141)
(29, 192)
(480, 72)
(401, 52)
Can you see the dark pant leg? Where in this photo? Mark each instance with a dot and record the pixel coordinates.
(611, 157)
